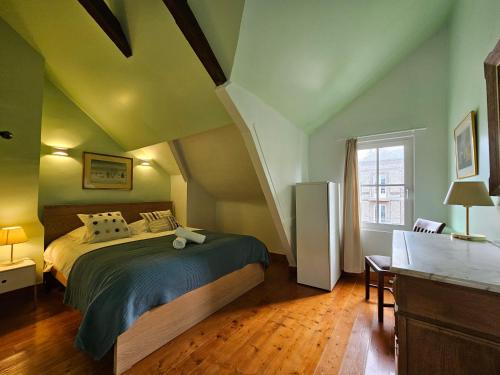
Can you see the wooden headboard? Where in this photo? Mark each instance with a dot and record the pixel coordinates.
(59, 220)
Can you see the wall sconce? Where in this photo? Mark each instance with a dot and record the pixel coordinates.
(145, 163)
(5, 134)
(60, 151)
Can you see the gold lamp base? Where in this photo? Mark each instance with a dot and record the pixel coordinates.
(469, 237)
(10, 262)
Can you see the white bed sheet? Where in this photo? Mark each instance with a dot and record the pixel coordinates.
(63, 252)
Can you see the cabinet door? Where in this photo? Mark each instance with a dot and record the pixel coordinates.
(425, 348)
(17, 278)
(313, 258)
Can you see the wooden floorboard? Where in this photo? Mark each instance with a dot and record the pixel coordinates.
(279, 327)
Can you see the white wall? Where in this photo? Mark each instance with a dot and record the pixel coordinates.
(200, 207)
(222, 192)
(250, 218)
(178, 195)
(278, 150)
(413, 95)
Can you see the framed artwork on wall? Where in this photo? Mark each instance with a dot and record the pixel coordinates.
(108, 172)
(465, 147)
(492, 75)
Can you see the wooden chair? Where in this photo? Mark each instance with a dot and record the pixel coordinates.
(382, 265)
(427, 226)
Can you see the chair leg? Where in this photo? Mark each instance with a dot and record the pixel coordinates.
(367, 280)
(380, 297)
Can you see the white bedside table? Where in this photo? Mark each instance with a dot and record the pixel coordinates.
(17, 276)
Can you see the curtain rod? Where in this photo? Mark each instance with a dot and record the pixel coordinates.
(359, 137)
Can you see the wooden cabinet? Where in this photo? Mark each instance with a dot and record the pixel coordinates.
(443, 328)
(17, 276)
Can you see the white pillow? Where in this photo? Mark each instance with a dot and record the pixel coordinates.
(137, 227)
(105, 226)
(78, 234)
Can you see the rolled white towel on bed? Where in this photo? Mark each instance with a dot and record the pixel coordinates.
(179, 243)
(190, 236)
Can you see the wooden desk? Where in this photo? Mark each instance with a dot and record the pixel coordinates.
(447, 295)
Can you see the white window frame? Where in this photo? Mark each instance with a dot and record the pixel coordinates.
(409, 182)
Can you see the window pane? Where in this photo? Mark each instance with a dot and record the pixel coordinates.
(392, 206)
(392, 165)
(382, 213)
(368, 198)
(367, 166)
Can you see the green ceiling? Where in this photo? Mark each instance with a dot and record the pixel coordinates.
(220, 21)
(309, 59)
(162, 92)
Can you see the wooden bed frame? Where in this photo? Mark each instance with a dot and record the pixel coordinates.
(161, 324)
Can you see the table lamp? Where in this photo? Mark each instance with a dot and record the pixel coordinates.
(468, 194)
(11, 236)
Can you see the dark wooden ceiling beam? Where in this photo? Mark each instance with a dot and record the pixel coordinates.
(100, 12)
(185, 19)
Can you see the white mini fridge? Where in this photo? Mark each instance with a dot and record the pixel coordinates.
(318, 255)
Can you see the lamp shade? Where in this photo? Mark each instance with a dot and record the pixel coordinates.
(12, 235)
(468, 194)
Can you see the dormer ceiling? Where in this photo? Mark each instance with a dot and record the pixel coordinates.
(309, 59)
(218, 160)
(161, 92)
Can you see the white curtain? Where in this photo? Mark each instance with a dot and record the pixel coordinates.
(351, 238)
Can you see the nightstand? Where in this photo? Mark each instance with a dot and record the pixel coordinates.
(17, 276)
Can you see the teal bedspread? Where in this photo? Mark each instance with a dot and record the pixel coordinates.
(115, 285)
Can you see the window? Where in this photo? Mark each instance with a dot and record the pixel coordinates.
(385, 168)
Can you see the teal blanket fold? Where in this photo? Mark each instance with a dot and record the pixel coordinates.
(115, 285)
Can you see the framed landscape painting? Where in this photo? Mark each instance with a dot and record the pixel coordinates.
(465, 147)
(109, 172)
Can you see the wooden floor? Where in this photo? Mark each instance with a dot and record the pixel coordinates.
(277, 328)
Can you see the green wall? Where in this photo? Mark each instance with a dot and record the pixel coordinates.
(413, 95)
(310, 59)
(30, 176)
(161, 93)
(21, 90)
(65, 125)
(474, 31)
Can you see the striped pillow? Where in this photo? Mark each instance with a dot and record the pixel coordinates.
(158, 221)
(155, 215)
(163, 224)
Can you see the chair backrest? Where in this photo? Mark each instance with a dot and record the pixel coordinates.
(428, 226)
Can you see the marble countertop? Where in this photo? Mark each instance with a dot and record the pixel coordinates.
(442, 258)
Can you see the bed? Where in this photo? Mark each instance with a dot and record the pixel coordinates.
(201, 294)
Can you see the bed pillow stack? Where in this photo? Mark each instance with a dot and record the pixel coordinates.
(159, 221)
(104, 226)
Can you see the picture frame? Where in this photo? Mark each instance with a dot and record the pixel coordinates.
(492, 76)
(465, 147)
(107, 172)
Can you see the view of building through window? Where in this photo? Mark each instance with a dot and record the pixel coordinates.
(382, 184)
